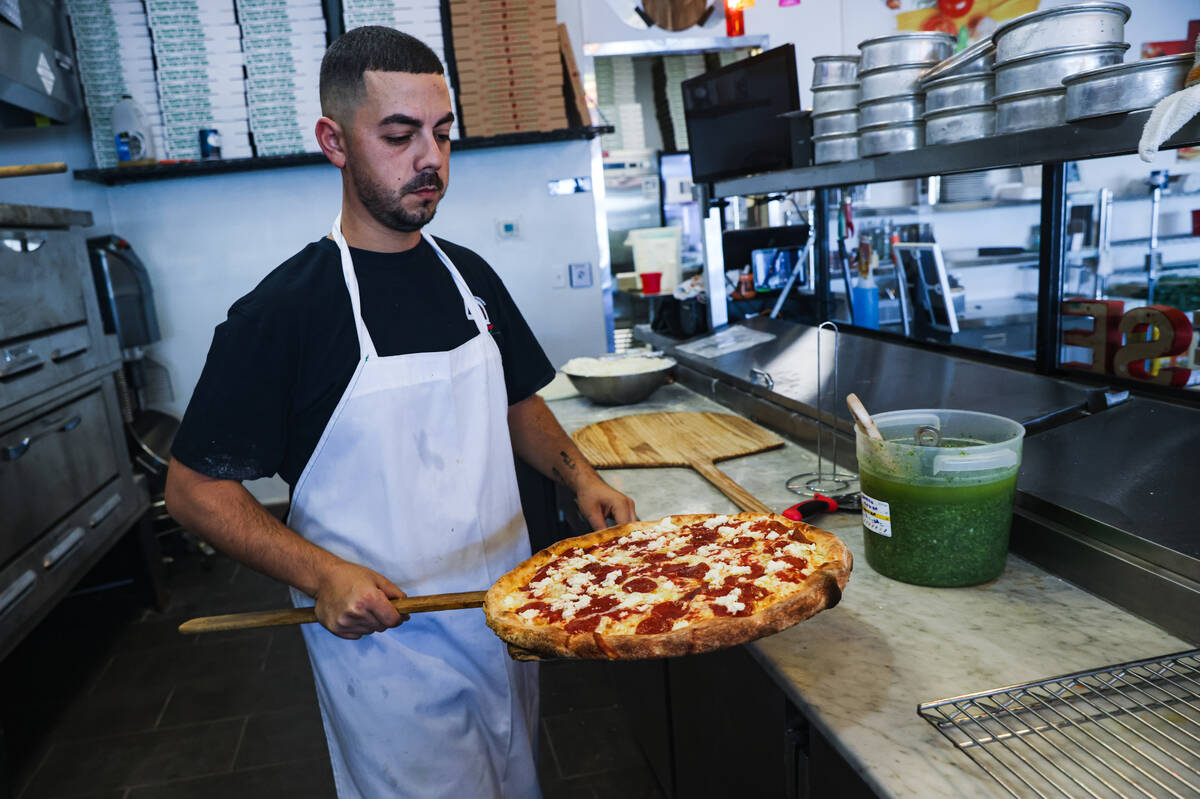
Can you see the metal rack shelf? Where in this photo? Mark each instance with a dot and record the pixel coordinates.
(186, 169)
(1093, 138)
(1124, 730)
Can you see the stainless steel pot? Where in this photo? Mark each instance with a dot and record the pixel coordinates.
(829, 149)
(891, 110)
(979, 57)
(1098, 22)
(828, 99)
(904, 48)
(960, 124)
(1046, 70)
(622, 389)
(836, 124)
(834, 70)
(959, 91)
(881, 139)
(1044, 108)
(1125, 87)
(876, 84)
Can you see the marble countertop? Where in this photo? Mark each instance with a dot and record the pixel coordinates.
(859, 670)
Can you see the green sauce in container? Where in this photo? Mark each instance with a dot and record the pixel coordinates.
(939, 514)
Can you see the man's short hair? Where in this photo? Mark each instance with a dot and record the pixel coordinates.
(372, 47)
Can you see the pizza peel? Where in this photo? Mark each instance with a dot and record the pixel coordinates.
(694, 439)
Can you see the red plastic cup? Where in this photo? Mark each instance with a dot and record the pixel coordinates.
(651, 282)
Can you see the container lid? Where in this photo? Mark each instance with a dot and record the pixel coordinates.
(838, 113)
(1073, 8)
(853, 58)
(1056, 52)
(952, 80)
(916, 123)
(833, 136)
(921, 65)
(1183, 62)
(958, 62)
(959, 110)
(832, 86)
(908, 37)
(1058, 91)
(913, 97)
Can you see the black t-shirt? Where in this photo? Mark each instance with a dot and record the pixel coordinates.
(281, 360)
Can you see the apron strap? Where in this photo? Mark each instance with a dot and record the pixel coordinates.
(366, 347)
(472, 305)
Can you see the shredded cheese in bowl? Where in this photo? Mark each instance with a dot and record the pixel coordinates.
(613, 367)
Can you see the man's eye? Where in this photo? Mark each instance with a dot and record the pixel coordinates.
(443, 136)
(398, 139)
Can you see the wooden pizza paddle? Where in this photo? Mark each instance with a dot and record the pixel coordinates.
(279, 618)
(694, 439)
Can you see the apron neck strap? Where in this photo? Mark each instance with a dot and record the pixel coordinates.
(473, 307)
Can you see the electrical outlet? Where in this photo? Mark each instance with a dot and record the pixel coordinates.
(508, 228)
(558, 278)
(581, 276)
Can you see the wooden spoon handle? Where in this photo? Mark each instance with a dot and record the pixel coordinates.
(740, 496)
(278, 618)
(862, 417)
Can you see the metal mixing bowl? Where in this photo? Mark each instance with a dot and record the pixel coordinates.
(622, 389)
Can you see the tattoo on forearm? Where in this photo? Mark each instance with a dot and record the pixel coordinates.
(567, 459)
(557, 475)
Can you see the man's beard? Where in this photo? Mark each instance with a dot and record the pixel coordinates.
(386, 207)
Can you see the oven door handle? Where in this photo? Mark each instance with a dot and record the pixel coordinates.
(11, 452)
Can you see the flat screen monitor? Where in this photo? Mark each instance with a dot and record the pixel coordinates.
(732, 115)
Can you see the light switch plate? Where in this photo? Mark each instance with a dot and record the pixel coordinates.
(581, 276)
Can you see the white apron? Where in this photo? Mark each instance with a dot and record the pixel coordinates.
(413, 477)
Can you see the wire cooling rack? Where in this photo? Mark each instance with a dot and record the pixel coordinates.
(1130, 730)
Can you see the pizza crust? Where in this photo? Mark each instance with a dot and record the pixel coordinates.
(822, 589)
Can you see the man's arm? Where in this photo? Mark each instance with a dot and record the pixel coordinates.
(352, 600)
(539, 440)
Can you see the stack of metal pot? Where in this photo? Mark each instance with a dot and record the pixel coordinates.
(835, 108)
(891, 103)
(958, 96)
(1036, 52)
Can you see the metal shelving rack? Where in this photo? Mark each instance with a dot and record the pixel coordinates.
(1051, 148)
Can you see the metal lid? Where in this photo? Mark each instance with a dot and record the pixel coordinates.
(893, 98)
(842, 86)
(1183, 61)
(853, 58)
(917, 123)
(968, 77)
(1012, 96)
(893, 68)
(832, 136)
(1046, 13)
(839, 112)
(908, 37)
(1056, 52)
(955, 63)
(959, 110)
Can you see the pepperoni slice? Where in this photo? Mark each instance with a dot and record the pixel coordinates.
(799, 537)
(583, 624)
(704, 536)
(752, 592)
(695, 571)
(640, 585)
(541, 606)
(669, 610)
(654, 624)
(799, 563)
(656, 557)
(767, 526)
(741, 542)
(600, 604)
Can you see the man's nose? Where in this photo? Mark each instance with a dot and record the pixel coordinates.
(428, 154)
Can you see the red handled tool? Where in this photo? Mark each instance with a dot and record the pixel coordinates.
(820, 503)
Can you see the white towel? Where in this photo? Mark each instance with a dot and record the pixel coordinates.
(1171, 113)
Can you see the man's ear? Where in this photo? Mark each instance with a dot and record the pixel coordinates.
(332, 140)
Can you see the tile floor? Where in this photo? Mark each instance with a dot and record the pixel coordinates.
(105, 700)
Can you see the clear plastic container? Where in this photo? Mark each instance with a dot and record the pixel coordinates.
(939, 512)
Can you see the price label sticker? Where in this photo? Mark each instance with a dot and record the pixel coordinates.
(877, 516)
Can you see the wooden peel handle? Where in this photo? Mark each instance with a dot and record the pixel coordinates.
(24, 170)
(740, 496)
(278, 618)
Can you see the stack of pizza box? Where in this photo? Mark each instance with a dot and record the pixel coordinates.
(201, 83)
(112, 46)
(419, 18)
(284, 41)
(510, 75)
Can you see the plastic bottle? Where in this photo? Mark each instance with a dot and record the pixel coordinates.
(131, 133)
(865, 295)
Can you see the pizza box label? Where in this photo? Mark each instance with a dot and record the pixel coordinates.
(877, 516)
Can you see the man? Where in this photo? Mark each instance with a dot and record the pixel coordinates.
(388, 377)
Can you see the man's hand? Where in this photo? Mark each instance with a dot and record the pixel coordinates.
(352, 601)
(597, 501)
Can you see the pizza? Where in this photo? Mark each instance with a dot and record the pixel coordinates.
(677, 586)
